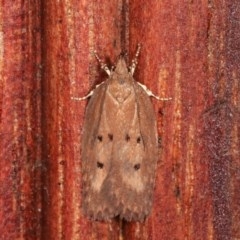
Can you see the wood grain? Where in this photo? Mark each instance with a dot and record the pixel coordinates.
(190, 53)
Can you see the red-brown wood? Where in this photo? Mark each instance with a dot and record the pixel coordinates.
(20, 111)
(190, 52)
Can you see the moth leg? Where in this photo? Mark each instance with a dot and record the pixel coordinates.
(134, 61)
(87, 96)
(150, 93)
(103, 65)
(82, 98)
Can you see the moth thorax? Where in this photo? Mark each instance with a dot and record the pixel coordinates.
(120, 89)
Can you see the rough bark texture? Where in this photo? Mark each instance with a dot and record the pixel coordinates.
(190, 53)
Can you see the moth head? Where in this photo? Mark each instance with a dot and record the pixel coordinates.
(121, 80)
(121, 66)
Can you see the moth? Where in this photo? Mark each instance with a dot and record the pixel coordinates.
(119, 146)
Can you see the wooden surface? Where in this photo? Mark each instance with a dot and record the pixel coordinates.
(190, 53)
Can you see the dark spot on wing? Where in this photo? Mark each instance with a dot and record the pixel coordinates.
(100, 165)
(127, 137)
(110, 136)
(137, 166)
(100, 138)
(138, 139)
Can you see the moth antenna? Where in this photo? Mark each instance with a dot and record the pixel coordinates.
(150, 93)
(88, 95)
(103, 65)
(135, 60)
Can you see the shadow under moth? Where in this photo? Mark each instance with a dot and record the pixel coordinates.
(119, 146)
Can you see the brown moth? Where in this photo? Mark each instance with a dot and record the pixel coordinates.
(119, 147)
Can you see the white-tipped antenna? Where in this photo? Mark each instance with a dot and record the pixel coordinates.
(103, 65)
(135, 60)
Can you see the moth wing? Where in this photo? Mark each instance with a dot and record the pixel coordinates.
(92, 117)
(96, 159)
(138, 170)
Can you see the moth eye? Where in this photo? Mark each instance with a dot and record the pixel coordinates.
(137, 166)
(138, 139)
(110, 136)
(127, 137)
(100, 138)
(100, 165)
